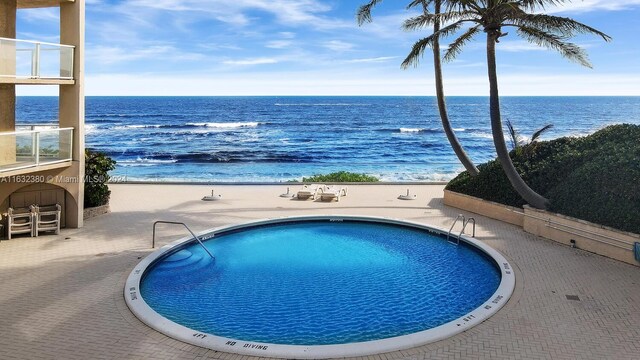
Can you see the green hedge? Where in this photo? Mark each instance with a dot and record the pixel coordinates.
(594, 178)
(341, 176)
(96, 168)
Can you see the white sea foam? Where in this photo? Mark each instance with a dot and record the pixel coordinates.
(409, 176)
(155, 161)
(482, 135)
(133, 164)
(231, 125)
(124, 127)
(411, 130)
(459, 129)
(90, 128)
(145, 162)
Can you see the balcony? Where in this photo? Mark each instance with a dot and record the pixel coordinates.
(34, 150)
(34, 62)
(27, 4)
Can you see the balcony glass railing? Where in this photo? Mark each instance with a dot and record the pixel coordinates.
(35, 60)
(25, 149)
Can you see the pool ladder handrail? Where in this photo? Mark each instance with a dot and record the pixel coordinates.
(153, 243)
(465, 222)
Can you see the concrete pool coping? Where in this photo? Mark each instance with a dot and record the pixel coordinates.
(146, 314)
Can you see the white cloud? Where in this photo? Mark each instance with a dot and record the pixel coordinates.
(41, 14)
(256, 61)
(338, 45)
(348, 83)
(389, 26)
(22, 35)
(279, 44)
(107, 55)
(594, 5)
(287, 34)
(291, 12)
(518, 46)
(461, 64)
(373, 60)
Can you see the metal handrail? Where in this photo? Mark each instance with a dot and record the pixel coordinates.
(66, 62)
(37, 42)
(153, 243)
(454, 224)
(64, 148)
(33, 131)
(549, 222)
(464, 225)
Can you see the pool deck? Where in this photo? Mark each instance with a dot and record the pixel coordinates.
(61, 295)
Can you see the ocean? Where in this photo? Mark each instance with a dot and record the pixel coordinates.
(276, 139)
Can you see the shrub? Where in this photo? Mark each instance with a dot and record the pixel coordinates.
(490, 184)
(341, 176)
(593, 178)
(97, 166)
(605, 188)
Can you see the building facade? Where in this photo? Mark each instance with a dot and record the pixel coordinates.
(43, 164)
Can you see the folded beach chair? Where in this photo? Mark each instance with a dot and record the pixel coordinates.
(309, 191)
(332, 192)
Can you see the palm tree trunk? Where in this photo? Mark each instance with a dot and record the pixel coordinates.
(442, 106)
(529, 195)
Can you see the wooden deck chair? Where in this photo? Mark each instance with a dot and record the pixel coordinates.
(47, 218)
(20, 221)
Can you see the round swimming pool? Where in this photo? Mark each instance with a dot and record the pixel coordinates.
(318, 287)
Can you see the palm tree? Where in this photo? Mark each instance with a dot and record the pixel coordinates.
(491, 16)
(519, 141)
(364, 15)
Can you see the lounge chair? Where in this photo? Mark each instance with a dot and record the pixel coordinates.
(20, 221)
(47, 218)
(309, 191)
(331, 192)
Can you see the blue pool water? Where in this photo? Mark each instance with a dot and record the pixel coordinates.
(316, 283)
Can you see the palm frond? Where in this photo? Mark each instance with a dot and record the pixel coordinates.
(513, 135)
(556, 24)
(418, 22)
(461, 5)
(555, 42)
(364, 12)
(425, 20)
(539, 132)
(423, 3)
(418, 48)
(456, 46)
(539, 4)
(445, 5)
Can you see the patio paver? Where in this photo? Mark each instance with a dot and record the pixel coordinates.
(61, 295)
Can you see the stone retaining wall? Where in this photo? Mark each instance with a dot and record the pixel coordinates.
(588, 236)
(490, 209)
(96, 211)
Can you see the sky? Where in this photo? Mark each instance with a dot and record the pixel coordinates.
(315, 47)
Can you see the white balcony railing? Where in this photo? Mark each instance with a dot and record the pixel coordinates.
(26, 149)
(22, 59)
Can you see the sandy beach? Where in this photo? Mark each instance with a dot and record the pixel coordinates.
(61, 296)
